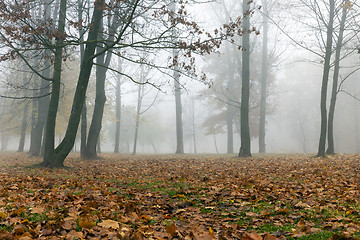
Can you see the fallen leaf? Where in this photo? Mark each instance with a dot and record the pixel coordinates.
(109, 224)
(67, 225)
(4, 235)
(267, 236)
(37, 210)
(171, 230)
(86, 223)
(251, 236)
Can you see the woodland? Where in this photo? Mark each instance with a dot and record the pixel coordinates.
(164, 119)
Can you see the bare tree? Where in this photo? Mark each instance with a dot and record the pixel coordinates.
(264, 73)
(245, 148)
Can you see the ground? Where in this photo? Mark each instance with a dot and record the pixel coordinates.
(181, 197)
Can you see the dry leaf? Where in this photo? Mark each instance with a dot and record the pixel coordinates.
(86, 223)
(109, 224)
(37, 210)
(171, 230)
(251, 236)
(267, 236)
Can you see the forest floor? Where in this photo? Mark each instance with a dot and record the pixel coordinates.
(181, 197)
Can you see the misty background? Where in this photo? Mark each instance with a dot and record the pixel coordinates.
(294, 76)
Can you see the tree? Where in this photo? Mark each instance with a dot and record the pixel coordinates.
(55, 157)
(325, 79)
(264, 73)
(102, 64)
(140, 98)
(118, 109)
(245, 148)
(83, 129)
(24, 122)
(339, 43)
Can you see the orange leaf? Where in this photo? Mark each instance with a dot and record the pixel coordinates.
(85, 223)
(269, 237)
(171, 230)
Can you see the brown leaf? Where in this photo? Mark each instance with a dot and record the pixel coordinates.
(67, 225)
(25, 238)
(37, 210)
(18, 230)
(86, 223)
(251, 236)
(301, 223)
(252, 214)
(301, 205)
(4, 235)
(267, 236)
(171, 230)
(109, 224)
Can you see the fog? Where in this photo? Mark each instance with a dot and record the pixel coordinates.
(294, 77)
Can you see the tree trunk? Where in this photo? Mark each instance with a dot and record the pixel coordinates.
(193, 124)
(55, 94)
(138, 109)
(23, 129)
(83, 129)
(4, 140)
(264, 71)
(98, 144)
(101, 69)
(331, 147)
(178, 105)
(178, 109)
(325, 80)
(55, 158)
(216, 147)
(118, 111)
(245, 149)
(34, 120)
(230, 111)
(43, 102)
(100, 100)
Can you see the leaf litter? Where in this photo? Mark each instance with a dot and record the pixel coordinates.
(200, 197)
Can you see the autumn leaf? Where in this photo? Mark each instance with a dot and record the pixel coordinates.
(37, 210)
(86, 223)
(267, 236)
(251, 236)
(171, 230)
(2, 215)
(109, 224)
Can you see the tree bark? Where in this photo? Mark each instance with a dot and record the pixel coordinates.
(331, 147)
(103, 62)
(245, 149)
(83, 128)
(24, 125)
(55, 157)
(100, 99)
(325, 80)
(138, 109)
(264, 71)
(177, 87)
(118, 111)
(34, 120)
(178, 109)
(4, 140)
(193, 124)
